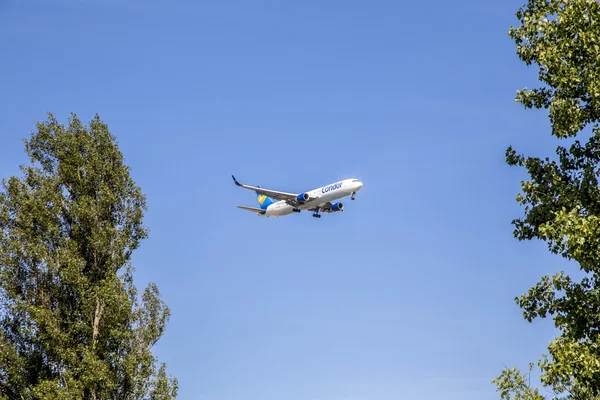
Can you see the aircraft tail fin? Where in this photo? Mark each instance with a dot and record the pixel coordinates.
(264, 201)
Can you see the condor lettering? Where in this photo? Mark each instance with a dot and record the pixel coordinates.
(331, 187)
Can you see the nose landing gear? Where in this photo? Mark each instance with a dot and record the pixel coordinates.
(353, 194)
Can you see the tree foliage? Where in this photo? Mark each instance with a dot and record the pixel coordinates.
(562, 198)
(72, 324)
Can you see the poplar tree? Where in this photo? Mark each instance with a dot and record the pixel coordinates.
(72, 323)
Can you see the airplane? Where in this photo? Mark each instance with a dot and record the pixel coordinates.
(277, 204)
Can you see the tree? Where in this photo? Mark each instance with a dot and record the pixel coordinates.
(72, 324)
(562, 198)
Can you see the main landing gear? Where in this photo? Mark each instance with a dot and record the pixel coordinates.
(296, 210)
(317, 215)
(353, 194)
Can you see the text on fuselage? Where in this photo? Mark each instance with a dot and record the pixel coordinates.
(331, 187)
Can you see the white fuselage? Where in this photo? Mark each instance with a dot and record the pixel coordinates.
(318, 197)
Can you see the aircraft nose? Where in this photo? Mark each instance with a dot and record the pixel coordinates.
(359, 184)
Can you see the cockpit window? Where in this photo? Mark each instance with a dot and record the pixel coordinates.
(354, 180)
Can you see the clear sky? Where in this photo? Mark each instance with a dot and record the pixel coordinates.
(408, 293)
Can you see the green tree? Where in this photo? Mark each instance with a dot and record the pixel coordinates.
(72, 325)
(562, 198)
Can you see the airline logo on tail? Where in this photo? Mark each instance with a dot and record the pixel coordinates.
(264, 201)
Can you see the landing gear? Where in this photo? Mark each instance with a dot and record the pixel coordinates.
(296, 210)
(317, 215)
(353, 194)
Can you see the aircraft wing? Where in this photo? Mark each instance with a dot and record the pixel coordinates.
(326, 207)
(323, 207)
(274, 194)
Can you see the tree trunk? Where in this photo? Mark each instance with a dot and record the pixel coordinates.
(97, 316)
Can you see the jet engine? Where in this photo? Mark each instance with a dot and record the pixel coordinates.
(303, 197)
(337, 207)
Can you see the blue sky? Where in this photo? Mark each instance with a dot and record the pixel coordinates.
(408, 293)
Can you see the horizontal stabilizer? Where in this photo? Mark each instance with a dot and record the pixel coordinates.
(256, 210)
